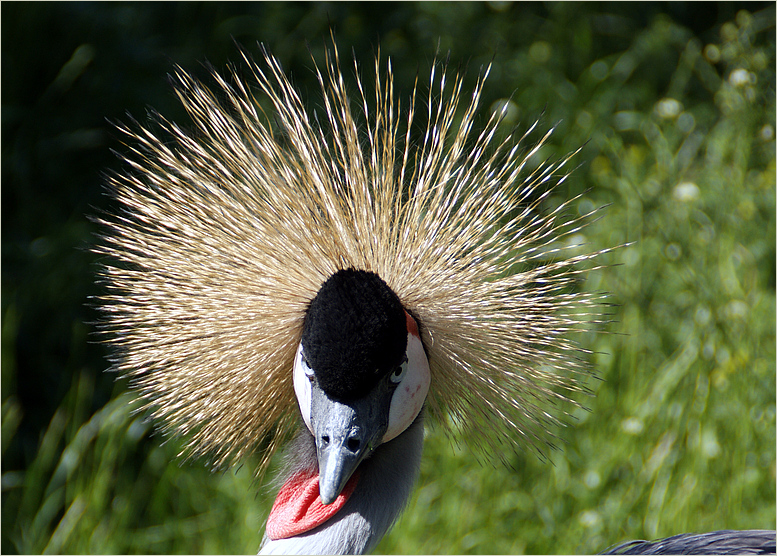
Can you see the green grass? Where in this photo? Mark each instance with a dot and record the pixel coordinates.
(680, 436)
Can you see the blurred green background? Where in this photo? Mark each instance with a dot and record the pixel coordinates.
(675, 106)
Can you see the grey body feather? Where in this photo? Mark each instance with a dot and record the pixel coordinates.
(717, 542)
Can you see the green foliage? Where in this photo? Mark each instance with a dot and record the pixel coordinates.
(111, 491)
(681, 434)
(677, 115)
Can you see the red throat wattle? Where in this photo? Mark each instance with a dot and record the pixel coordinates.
(298, 507)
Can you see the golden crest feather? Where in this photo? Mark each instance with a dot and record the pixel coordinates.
(228, 230)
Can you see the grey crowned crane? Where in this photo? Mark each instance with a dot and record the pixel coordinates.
(332, 286)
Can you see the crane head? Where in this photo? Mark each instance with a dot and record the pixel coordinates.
(361, 374)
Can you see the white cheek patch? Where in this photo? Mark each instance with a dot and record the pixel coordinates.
(409, 397)
(302, 386)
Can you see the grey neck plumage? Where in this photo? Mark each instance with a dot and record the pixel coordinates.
(385, 483)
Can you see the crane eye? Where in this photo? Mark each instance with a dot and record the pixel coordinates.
(399, 373)
(306, 368)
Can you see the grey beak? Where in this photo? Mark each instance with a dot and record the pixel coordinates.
(345, 434)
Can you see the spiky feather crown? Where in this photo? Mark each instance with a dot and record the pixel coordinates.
(227, 232)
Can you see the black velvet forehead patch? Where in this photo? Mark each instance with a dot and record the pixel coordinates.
(355, 332)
